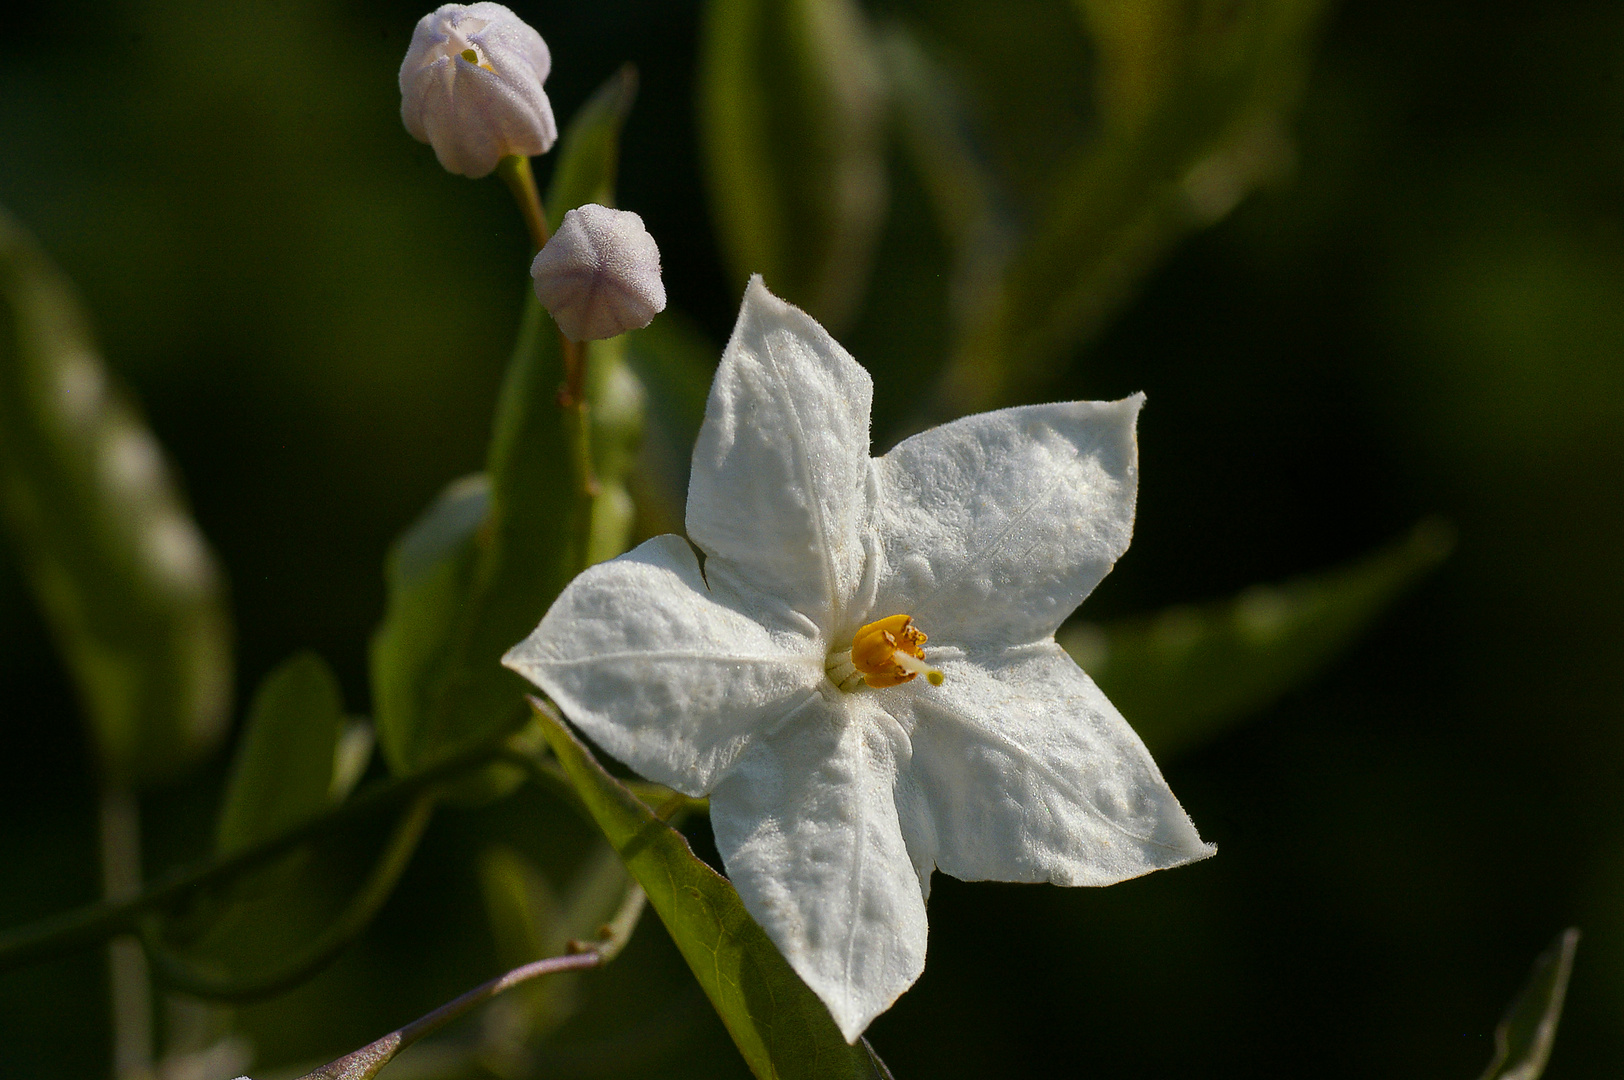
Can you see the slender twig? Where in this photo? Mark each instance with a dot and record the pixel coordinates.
(178, 973)
(93, 923)
(130, 986)
(365, 1062)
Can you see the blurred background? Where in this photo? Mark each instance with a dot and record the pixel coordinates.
(1392, 288)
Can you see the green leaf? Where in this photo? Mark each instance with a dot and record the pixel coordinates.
(277, 927)
(1189, 113)
(283, 772)
(122, 574)
(792, 115)
(970, 200)
(1523, 1038)
(476, 573)
(531, 920)
(351, 756)
(589, 153)
(675, 360)
(1184, 675)
(430, 574)
(616, 417)
(779, 1025)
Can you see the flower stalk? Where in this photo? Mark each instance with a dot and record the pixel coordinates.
(365, 1063)
(516, 173)
(130, 983)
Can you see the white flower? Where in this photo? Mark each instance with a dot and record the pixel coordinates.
(833, 800)
(599, 275)
(470, 87)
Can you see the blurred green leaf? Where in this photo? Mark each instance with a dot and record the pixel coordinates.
(279, 925)
(616, 417)
(1190, 108)
(283, 772)
(352, 756)
(531, 920)
(589, 154)
(283, 923)
(792, 115)
(430, 574)
(674, 360)
(779, 1025)
(271, 930)
(124, 578)
(477, 572)
(1523, 1038)
(1184, 675)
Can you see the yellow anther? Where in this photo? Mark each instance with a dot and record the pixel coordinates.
(474, 57)
(891, 651)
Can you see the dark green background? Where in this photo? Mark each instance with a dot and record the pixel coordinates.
(1428, 318)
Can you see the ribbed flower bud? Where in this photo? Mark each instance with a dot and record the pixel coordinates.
(470, 87)
(600, 274)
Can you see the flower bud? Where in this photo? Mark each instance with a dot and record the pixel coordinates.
(600, 274)
(470, 87)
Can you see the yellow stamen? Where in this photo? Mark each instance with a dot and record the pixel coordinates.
(474, 57)
(890, 652)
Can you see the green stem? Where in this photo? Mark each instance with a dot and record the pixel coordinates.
(178, 973)
(578, 429)
(365, 1062)
(515, 173)
(130, 988)
(93, 923)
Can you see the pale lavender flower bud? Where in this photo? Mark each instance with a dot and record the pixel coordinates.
(470, 87)
(600, 274)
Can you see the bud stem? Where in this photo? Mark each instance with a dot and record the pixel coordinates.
(131, 986)
(521, 181)
(515, 173)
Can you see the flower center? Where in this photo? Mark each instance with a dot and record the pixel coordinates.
(887, 652)
(477, 58)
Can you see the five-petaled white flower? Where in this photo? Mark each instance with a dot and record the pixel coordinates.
(781, 676)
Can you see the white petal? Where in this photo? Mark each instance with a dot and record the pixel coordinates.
(665, 674)
(781, 463)
(1029, 773)
(806, 822)
(995, 527)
